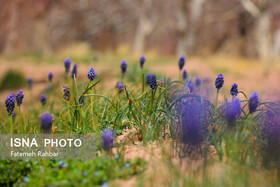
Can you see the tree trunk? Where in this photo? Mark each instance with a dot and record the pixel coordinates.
(12, 34)
(263, 39)
(144, 28)
(187, 30)
(182, 24)
(276, 43)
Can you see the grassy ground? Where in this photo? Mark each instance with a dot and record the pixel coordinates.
(149, 135)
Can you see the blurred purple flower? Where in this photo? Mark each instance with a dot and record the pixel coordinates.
(191, 86)
(29, 81)
(196, 115)
(108, 139)
(46, 122)
(184, 75)
(233, 111)
(67, 63)
(148, 78)
(121, 86)
(50, 76)
(123, 66)
(253, 102)
(181, 62)
(197, 81)
(74, 71)
(142, 61)
(43, 99)
(19, 97)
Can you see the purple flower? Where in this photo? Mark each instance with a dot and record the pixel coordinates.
(191, 86)
(123, 66)
(67, 63)
(181, 62)
(234, 89)
(50, 76)
(197, 81)
(142, 60)
(74, 71)
(253, 102)
(46, 122)
(121, 86)
(270, 136)
(153, 82)
(219, 81)
(148, 78)
(233, 111)
(66, 91)
(195, 118)
(91, 74)
(161, 81)
(19, 97)
(184, 75)
(10, 103)
(29, 81)
(108, 139)
(43, 99)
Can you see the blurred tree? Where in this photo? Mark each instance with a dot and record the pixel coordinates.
(260, 11)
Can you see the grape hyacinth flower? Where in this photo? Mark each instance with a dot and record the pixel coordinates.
(66, 91)
(153, 82)
(19, 97)
(108, 139)
(181, 62)
(43, 99)
(253, 102)
(191, 86)
(197, 81)
(184, 75)
(270, 134)
(196, 116)
(29, 81)
(121, 87)
(142, 61)
(234, 89)
(219, 81)
(219, 84)
(67, 63)
(91, 74)
(46, 122)
(123, 66)
(148, 78)
(10, 103)
(50, 76)
(74, 71)
(233, 111)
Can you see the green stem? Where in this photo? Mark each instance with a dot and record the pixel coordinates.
(179, 86)
(11, 117)
(91, 100)
(216, 103)
(20, 118)
(143, 81)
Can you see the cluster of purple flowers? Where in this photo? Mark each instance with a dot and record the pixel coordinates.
(10, 103)
(108, 139)
(153, 82)
(66, 91)
(196, 115)
(123, 66)
(46, 122)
